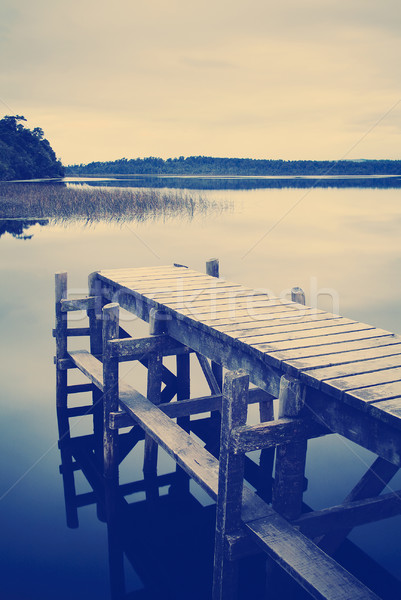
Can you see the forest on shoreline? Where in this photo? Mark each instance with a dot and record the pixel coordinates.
(25, 153)
(209, 166)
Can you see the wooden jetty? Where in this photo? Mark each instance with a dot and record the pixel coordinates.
(329, 374)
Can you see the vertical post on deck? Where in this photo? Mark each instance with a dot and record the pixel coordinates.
(213, 269)
(61, 340)
(96, 348)
(155, 365)
(298, 295)
(290, 458)
(231, 478)
(110, 404)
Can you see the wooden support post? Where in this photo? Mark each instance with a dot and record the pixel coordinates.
(231, 478)
(61, 340)
(298, 295)
(290, 458)
(96, 348)
(155, 377)
(110, 404)
(213, 269)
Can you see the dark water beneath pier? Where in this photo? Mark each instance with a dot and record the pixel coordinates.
(340, 244)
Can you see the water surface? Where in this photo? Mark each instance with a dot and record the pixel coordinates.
(341, 245)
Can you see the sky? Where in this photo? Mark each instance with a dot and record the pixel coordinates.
(293, 79)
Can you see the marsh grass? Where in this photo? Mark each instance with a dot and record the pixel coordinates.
(62, 203)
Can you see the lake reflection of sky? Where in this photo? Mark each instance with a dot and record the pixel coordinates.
(347, 241)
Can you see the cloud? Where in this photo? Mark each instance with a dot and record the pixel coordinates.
(301, 80)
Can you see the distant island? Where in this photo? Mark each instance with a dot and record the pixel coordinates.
(209, 166)
(25, 153)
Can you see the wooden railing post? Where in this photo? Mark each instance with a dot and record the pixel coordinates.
(155, 373)
(298, 295)
(61, 339)
(231, 477)
(110, 404)
(213, 269)
(96, 348)
(290, 458)
(289, 481)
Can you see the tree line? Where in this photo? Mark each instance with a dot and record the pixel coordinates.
(25, 153)
(208, 165)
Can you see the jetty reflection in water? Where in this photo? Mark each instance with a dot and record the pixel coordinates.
(161, 531)
(160, 535)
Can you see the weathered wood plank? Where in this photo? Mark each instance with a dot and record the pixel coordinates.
(316, 572)
(329, 354)
(374, 393)
(272, 307)
(381, 435)
(285, 310)
(208, 373)
(229, 356)
(223, 307)
(226, 296)
(190, 406)
(284, 319)
(349, 353)
(89, 365)
(326, 340)
(274, 433)
(179, 282)
(349, 514)
(137, 348)
(188, 453)
(392, 408)
(352, 382)
(371, 484)
(321, 334)
(350, 368)
(86, 303)
(307, 325)
(186, 295)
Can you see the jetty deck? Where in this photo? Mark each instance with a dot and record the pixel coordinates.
(330, 374)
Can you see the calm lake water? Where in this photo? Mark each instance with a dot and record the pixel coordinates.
(340, 244)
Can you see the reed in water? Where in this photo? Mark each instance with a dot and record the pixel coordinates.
(63, 203)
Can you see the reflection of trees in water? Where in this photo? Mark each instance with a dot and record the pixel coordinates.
(233, 183)
(93, 204)
(17, 227)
